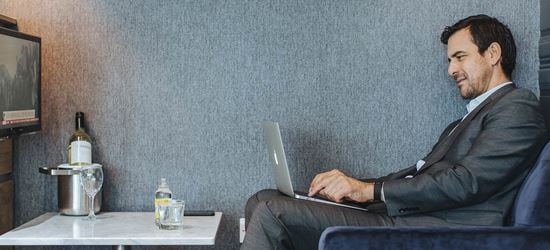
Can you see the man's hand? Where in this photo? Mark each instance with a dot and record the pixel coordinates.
(336, 186)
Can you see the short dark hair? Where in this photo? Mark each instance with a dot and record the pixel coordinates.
(486, 30)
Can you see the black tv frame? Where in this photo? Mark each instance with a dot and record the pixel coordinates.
(21, 129)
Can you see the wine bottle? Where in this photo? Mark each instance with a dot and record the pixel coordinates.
(80, 144)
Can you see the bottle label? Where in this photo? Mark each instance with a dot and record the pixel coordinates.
(80, 152)
(159, 201)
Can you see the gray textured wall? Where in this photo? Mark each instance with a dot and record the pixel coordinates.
(179, 89)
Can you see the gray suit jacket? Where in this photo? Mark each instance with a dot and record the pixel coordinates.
(472, 175)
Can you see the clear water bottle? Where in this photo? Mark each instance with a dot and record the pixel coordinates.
(162, 196)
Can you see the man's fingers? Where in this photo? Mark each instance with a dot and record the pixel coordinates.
(315, 180)
(338, 187)
(333, 191)
(322, 180)
(316, 184)
(320, 184)
(313, 190)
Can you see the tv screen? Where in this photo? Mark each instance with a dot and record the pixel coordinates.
(19, 83)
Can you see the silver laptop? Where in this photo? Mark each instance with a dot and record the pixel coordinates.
(280, 168)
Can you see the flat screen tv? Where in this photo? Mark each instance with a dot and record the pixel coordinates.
(19, 83)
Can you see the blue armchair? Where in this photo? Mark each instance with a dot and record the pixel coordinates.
(529, 227)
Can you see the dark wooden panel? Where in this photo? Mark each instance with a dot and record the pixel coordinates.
(544, 53)
(6, 206)
(5, 156)
(545, 107)
(544, 72)
(544, 48)
(544, 17)
(544, 79)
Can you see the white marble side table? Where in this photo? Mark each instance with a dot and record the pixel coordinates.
(117, 229)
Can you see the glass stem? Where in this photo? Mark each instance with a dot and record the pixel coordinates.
(91, 215)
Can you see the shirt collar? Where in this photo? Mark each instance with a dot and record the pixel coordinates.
(478, 100)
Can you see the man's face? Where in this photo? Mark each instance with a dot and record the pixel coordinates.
(470, 69)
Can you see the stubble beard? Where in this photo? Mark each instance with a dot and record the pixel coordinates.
(469, 92)
(476, 87)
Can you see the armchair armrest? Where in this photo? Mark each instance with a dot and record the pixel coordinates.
(467, 237)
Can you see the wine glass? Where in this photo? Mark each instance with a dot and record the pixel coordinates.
(91, 179)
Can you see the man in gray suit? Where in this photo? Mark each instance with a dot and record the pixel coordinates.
(470, 177)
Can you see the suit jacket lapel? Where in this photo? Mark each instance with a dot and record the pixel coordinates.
(441, 150)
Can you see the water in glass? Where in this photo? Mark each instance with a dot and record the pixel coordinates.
(171, 214)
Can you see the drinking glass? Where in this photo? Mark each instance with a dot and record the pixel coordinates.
(171, 214)
(91, 179)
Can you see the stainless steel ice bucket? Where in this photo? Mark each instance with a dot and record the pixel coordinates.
(71, 197)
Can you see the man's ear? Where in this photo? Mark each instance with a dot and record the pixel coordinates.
(494, 53)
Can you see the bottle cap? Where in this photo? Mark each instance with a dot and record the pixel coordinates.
(163, 182)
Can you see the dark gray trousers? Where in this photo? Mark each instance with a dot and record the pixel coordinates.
(275, 221)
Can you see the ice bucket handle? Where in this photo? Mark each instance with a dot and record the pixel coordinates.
(58, 171)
